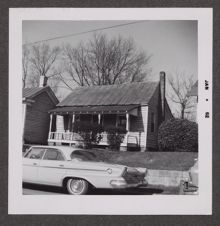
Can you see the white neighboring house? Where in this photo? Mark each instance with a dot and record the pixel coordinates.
(193, 93)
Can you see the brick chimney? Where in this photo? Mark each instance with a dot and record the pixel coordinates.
(43, 81)
(163, 92)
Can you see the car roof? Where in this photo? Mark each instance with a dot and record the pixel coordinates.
(67, 150)
(51, 146)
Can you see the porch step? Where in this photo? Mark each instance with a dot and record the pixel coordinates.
(133, 148)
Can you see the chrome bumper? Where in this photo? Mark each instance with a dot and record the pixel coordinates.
(126, 185)
(187, 188)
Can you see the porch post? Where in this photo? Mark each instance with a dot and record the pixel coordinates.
(73, 119)
(127, 121)
(103, 118)
(69, 123)
(51, 118)
(72, 127)
(59, 123)
(116, 120)
(99, 118)
(24, 109)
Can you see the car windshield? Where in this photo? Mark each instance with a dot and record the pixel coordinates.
(83, 155)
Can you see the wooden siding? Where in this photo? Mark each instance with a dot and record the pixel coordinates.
(168, 113)
(138, 126)
(37, 119)
(156, 109)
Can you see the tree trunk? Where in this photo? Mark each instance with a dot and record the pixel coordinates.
(23, 81)
(182, 112)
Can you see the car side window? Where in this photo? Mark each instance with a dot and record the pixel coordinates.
(35, 153)
(53, 154)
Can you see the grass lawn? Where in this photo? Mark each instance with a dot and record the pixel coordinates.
(150, 160)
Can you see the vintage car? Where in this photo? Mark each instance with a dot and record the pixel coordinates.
(189, 186)
(77, 170)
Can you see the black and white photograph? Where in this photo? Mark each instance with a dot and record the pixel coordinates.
(112, 106)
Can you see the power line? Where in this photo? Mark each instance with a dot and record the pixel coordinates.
(84, 32)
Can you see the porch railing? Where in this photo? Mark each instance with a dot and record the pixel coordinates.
(70, 137)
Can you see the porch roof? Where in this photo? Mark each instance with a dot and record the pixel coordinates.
(115, 109)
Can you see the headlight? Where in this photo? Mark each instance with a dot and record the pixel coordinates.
(109, 170)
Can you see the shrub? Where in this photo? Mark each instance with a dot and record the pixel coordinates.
(90, 132)
(115, 136)
(178, 135)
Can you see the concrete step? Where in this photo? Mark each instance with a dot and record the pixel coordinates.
(166, 178)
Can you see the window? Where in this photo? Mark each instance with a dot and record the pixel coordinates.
(53, 154)
(35, 153)
(83, 155)
(152, 122)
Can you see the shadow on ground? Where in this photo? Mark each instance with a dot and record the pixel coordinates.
(44, 190)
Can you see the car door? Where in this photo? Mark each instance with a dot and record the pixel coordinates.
(52, 167)
(31, 162)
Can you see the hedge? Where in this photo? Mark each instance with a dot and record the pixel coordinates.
(90, 132)
(178, 135)
(115, 136)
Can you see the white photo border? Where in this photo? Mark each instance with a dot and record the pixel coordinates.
(200, 204)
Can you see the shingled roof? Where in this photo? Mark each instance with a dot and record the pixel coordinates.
(29, 93)
(138, 93)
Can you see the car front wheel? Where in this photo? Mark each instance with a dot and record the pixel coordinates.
(77, 186)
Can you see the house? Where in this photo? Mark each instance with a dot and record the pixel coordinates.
(36, 103)
(193, 94)
(138, 107)
(194, 91)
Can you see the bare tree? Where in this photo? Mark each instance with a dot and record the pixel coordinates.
(103, 61)
(32, 79)
(180, 86)
(25, 65)
(42, 60)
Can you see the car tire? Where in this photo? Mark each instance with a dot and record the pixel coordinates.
(77, 186)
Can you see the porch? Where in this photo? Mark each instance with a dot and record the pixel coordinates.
(72, 138)
(62, 122)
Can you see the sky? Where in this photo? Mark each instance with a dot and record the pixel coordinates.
(172, 44)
